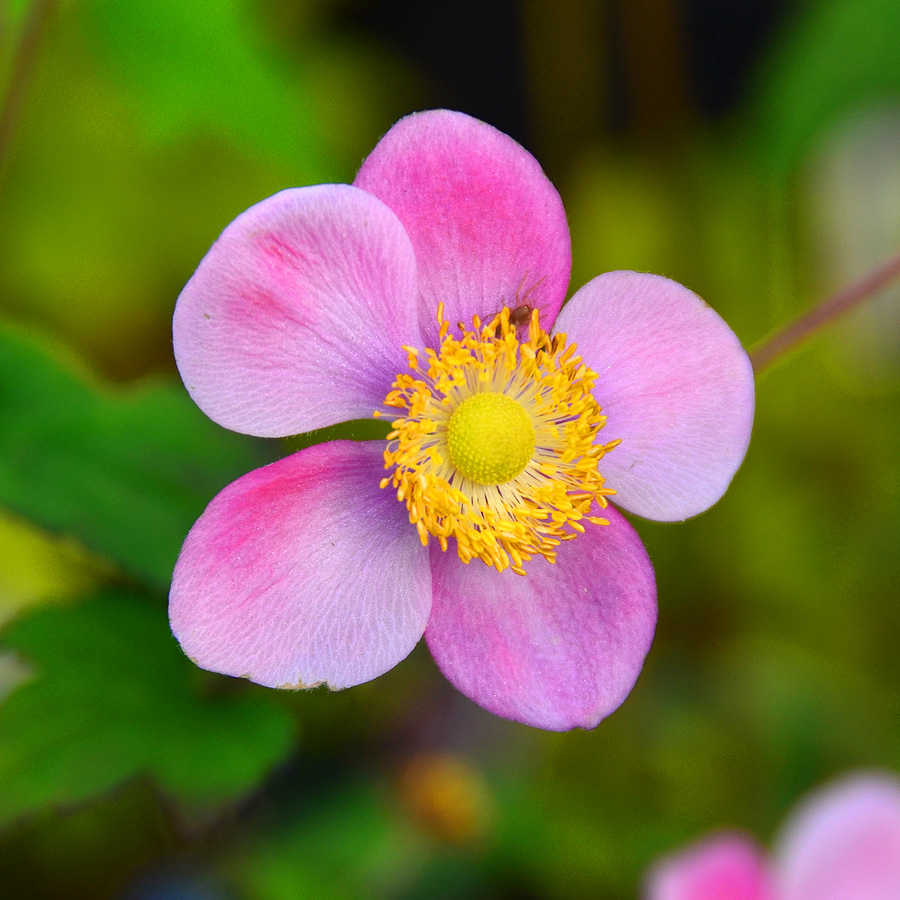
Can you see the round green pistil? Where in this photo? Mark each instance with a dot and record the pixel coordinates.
(491, 438)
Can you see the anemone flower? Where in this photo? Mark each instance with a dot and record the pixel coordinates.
(842, 844)
(482, 519)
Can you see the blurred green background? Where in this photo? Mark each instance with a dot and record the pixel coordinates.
(751, 152)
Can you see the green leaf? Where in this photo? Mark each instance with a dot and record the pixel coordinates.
(349, 844)
(126, 472)
(38, 568)
(207, 68)
(837, 56)
(111, 698)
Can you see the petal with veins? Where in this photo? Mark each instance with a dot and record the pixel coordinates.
(488, 227)
(675, 384)
(296, 317)
(303, 572)
(558, 648)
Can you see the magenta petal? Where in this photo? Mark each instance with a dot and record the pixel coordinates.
(558, 648)
(302, 573)
(296, 317)
(675, 384)
(726, 867)
(844, 844)
(487, 225)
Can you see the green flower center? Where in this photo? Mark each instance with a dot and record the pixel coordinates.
(490, 438)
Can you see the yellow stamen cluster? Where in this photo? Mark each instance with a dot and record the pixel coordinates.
(546, 495)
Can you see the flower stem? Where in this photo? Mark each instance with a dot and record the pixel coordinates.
(25, 55)
(804, 326)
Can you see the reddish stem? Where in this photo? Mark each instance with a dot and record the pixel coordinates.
(25, 56)
(807, 324)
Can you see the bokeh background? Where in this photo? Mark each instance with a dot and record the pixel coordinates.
(750, 151)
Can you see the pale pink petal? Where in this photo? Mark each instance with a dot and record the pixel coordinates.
(677, 388)
(296, 317)
(302, 573)
(557, 648)
(844, 843)
(487, 225)
(725, 867)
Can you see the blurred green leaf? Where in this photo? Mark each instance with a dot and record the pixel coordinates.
(38, 568)
(836, 56)
(813, 714)
(126, 472)
(350, 844)
(149, 127)
(197, 67)
(112, 698)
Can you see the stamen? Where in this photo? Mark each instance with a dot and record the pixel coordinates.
(530, 500)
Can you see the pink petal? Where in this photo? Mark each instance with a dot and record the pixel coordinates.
(302, 573)
(725, 867)
(844, 844)
(487, 226)
(677, 388)
(558, 648)
(296, 317)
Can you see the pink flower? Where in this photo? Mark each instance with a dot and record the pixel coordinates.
(318, 306)
(842, 844)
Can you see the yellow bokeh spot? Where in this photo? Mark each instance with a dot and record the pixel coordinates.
(490, 437)
(38, 568)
